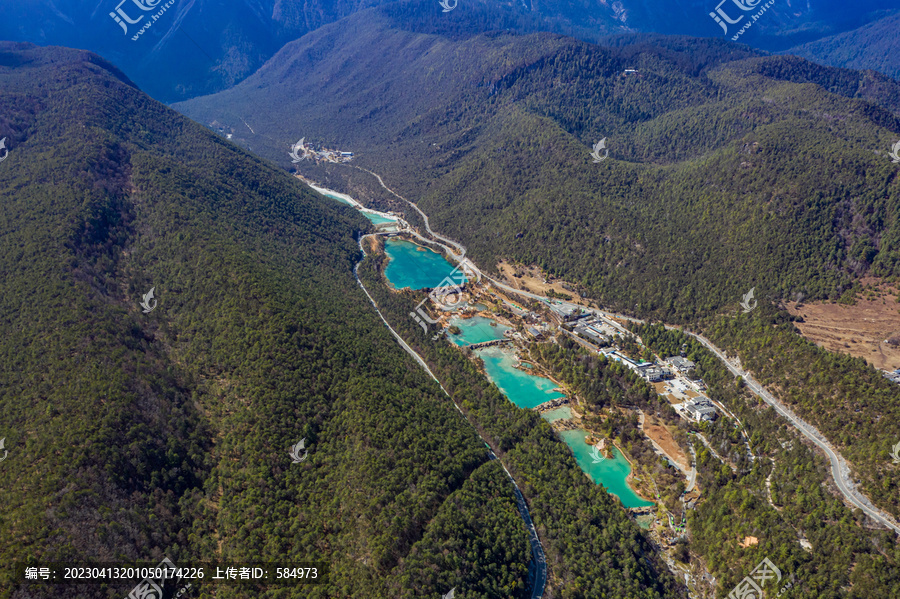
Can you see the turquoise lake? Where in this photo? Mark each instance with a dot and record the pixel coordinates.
(416, 267)
(338, 198)
(477, 329)
(375, 219)
(563, 413)
(413, 266)
(523, 389)
(611, 472)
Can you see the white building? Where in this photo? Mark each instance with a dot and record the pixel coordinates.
(698, 409)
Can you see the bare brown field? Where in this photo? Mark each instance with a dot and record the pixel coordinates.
(532, 280)
(860, 330)
(657, 431)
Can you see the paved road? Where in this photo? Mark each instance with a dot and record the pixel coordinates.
(690, 475)
(460, 250)
(840, 469)
(693, 479)
(537, 549)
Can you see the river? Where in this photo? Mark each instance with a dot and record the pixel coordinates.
(413, 266)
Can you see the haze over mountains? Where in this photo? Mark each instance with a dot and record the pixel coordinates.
(198, 47)
(138, 434)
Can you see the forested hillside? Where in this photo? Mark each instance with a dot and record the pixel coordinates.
(726, 171)
(586, 534)
(779, 497)
(134, 434)
(178, 49)
(874, 46)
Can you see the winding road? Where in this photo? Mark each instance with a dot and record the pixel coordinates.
(840, 469)
(537, 549)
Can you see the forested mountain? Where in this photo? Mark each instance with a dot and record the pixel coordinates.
(203, 46)
(140, 425)
(875, 45)
(727, 170)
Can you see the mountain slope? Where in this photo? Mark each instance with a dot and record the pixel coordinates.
(202, 46)
(493, 134)
(135, 434)
(727, 171)
(872, 46)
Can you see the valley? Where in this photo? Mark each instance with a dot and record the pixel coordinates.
(249, 255)
(486, 302)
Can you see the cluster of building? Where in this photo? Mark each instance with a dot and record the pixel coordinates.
(894, 376)
(595, 330)
(603, 333)
(698, 409)
(301, 152)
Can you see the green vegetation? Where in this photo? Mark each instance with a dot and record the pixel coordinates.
(588, 539)
(134, 436)
(847, 559)
(868, 47)
(602, 385)
(727, 171)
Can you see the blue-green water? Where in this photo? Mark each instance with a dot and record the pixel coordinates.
(477, 329)
(338, 198)
(375, 219)
(611, 472)
(563, 413)
(523, 389)
(414, 266)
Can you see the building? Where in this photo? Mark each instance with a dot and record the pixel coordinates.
(698, 409)
(346, 154)
(566, 313)
(654, 373)
(680, 364)
(892, 376)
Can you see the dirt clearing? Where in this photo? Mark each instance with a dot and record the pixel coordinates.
(657, 431)
(861, 330)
